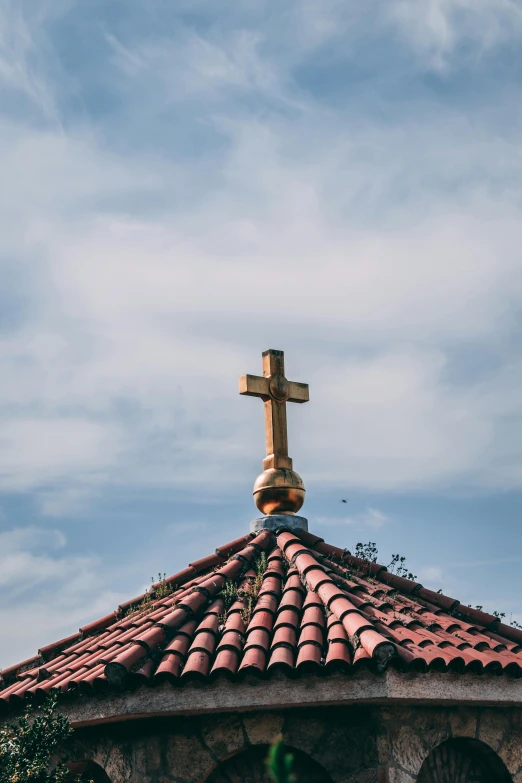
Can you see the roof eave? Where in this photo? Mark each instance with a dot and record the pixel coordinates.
(279, 692)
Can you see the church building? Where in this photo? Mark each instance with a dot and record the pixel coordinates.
(369, 677)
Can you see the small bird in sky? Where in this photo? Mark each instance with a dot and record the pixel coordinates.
(344, 501)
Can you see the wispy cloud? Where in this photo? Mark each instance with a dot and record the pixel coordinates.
(437, 29)
(46, 592)
(370, 518)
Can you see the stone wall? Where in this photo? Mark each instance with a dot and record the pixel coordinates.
(358, 744)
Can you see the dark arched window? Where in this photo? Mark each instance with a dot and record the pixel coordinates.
(88, 770)
(463, 760)
(248, 766)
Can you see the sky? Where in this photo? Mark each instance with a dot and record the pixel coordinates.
(184, 185)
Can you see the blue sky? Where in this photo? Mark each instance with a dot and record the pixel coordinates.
(187, 184)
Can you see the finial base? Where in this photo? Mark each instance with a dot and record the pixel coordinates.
(279, 491)
(275, 522)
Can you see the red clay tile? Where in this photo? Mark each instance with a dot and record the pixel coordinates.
(477, 616)
(309, 539)
(233, 546)
(288, 616)
(271, 584)
(311, 634)
(329, 551)
(268, 602)
(309, 657)
(231, 569)
(254, 659)
(338, 655)
(258, 637)
(152, 638)
(514, 634)
(293, 582)
(206, 562)
(316, 578)
(444, 601)
(169, 669)
(49, 650)
(361, 655)
(125, 660)
(285, 635)
(227, 662)
(282, 657)
(28, 663)
(285, 539)
(354, 623)
(99, 624)
(197, 665)
(329, 592)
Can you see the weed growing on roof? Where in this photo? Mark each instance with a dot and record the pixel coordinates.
(162, 589)
(398, 566)
(250, 596)
(146, 605)
(31, 750)
(367, 551)
(229, 595)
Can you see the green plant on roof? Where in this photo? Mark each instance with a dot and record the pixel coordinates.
(398, 566)
(279, 763)
(146, 605)
(162, 589)
(229, 595)
(367, 551)
(32, 749)
(250, 596)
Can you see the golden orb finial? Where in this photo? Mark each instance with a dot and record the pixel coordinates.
(279, 489)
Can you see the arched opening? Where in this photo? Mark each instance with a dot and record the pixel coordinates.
(463, 760)
(248, 766)
(88, 770)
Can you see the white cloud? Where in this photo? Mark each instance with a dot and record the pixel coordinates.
(34, 451)
(161, 314)
(46, 592)
(436, 28)
(369, 251)
(431, 575)
(65, 501)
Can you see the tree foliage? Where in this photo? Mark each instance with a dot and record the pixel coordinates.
(279, 763)
(31, 749)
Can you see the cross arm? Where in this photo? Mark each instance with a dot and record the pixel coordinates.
(298, 392)
(254, 386)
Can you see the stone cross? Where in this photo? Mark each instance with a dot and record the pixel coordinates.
(275, 391)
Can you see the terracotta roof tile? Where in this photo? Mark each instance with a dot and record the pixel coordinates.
(307, 607)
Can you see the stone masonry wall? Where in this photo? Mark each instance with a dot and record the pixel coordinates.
(353, 744)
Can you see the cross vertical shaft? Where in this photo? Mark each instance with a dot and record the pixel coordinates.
(275, 391)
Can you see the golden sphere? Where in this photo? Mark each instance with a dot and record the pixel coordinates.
(279, 491)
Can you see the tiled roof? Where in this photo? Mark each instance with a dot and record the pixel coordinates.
(285, 601)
